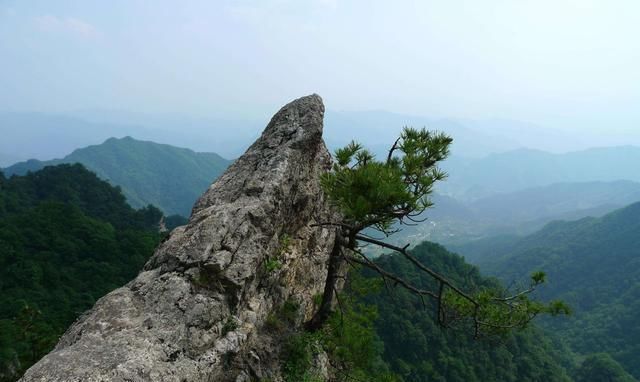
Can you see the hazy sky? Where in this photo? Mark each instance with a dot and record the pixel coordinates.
(559, 63)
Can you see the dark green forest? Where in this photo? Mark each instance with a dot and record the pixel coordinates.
(600, 367)
(417, 349)
(66, 239)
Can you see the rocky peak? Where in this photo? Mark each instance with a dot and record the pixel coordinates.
(198, 309)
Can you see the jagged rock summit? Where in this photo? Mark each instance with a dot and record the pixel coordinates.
(197, 311)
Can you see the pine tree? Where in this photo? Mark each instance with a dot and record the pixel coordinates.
(384, 195)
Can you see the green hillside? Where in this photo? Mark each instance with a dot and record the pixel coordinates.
(418, 349)
(600, 367)
(66, 239)
(169, 177)
(594, 265)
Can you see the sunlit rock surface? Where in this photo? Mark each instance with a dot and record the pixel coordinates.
(196, 312)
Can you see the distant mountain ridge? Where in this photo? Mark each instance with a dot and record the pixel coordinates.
(525, 168)
(377, 130)
(7, 160)
(594, 265)
(461, 224)
(45, 136)
(168, 177)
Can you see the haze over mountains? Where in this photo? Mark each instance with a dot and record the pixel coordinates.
(453, 222)
(416, 348)
(44, 136)
(519, 169)
(489, 191)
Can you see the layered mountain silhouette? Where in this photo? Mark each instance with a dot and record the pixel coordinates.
(168, 177)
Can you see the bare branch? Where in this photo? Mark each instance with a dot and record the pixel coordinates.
(515, 296)
(393, 148)
(439, 312)
(335, 292)
(371, 265)
(332, 224)
(414, 220)
(419, 265)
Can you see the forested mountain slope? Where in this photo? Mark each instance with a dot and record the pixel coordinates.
(66, 239)
(418, 349)
(594, 265)
(168, 177)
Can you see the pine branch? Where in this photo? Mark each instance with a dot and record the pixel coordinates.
(419, 265)
(364, 261)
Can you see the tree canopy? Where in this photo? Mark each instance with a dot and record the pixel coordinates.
(66, 239)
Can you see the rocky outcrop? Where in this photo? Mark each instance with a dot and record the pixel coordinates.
(197, 311)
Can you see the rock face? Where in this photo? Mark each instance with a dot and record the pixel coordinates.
(197, 311)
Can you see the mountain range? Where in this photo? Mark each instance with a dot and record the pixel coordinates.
(524, 168)
(594, 265)
(168, 177)
(46, 136)
(510, 215)
(521, 198)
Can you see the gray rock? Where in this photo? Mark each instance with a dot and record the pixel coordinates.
(196, 312)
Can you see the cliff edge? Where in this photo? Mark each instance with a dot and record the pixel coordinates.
(197, 311)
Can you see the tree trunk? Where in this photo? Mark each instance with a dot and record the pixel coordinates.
(326, 306)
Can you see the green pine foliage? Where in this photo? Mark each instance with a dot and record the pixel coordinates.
(66, 239)
(376, 194)
(350, 336)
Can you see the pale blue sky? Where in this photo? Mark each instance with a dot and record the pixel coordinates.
(572, 64)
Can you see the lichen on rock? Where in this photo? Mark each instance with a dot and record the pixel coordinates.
(198, 309)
